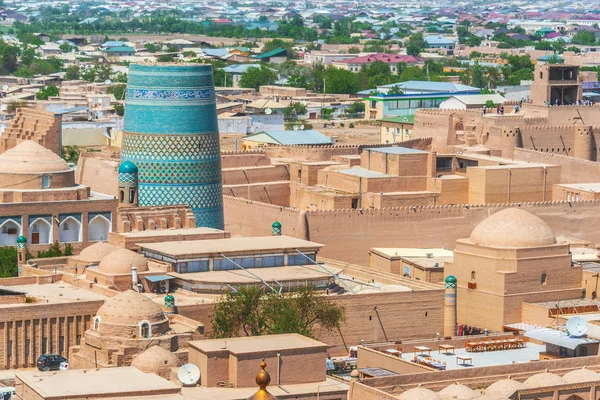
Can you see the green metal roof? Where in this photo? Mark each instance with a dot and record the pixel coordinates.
(120, 49)
(271, 53)
(407, 119)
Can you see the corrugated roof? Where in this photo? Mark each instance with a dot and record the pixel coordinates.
(120, 49)
(239, 68)
(408, 119)
(271, 53)
(443, 87)
(476, 99)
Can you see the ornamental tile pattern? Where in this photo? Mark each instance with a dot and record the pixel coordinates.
(128, 177)
(171, 135)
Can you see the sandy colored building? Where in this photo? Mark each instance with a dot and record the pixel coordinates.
(41, 201)
(419, 264)
(510, 258)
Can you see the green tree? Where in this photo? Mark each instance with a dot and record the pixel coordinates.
(584, 37)
(117, 90)
(489, 104)
(415, 44)
(66, 47)
(47, 91)
(395, 90)
(353, 50)
(251, 312)
(72, 72)
(356, 107)
(341, 81)
(255, 77)
(152, 47)
(291, 112)
(165, 58)
(8, 262)
(8, 58)
(413, 73)
(574, 49)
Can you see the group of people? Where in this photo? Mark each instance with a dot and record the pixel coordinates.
(499, 109)
(576, 103)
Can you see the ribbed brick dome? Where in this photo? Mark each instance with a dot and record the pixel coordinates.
(121, 261)
(97, 251)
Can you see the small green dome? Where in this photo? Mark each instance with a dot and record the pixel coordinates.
(450, 279)
(128, 167)
(21, 239)
(276, 224)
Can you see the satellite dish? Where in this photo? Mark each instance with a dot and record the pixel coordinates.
(301, 127)
(3, 107)
(107, 82)
(268, 111)
(188, 374)
(4, 87)
(295, 127)
(577, 326)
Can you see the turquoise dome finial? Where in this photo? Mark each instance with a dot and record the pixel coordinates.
(21, 239)
(450, 279)
(128, 167)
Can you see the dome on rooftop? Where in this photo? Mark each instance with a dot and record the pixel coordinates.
(544, 379)
(129, 309)
(128, 167)
(419, 393)
(504, 387)
(29, 157)
(156, 360)
(450, 279)
(513, 227)
(96, 252)
(458, 392)
(581, 375)
(121, 261)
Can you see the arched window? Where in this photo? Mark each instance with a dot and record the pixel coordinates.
(472, 275)
(543, 279)
(145, 330)
(69, 230)
(98, 228)
(122, 195)
(96, 322)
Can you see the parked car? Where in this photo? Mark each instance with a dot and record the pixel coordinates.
(49, 362)
(7, 393)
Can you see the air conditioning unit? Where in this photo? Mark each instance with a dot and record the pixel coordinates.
(164, 286)
(429, 255)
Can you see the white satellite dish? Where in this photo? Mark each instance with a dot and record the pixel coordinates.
(301, 127)
(4, 87)
(577, 326)
(3, 107)
(107, 82)
(188, 374)
(268, 111)
(295, 127)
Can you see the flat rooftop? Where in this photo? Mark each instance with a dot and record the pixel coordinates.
(395, 150)
(587, 187)
(258, 344)
(239, 276)
(413, 252)
(485, 359)
(54, 293)
(364, 173)
(229, 245)
(171, 232)
(83, 383)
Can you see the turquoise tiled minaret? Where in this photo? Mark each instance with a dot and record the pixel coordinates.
(171, 135)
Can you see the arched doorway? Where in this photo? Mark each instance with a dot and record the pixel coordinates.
(40, 232)
(98, 228)
(9, 232)
(69, 230)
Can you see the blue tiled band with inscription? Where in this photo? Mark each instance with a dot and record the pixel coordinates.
(170, 94)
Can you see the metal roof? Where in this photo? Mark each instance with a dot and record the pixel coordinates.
(239, 68)
(271, 53)
(429, 86)
(364, 173)
(558, 338)
(158, 278)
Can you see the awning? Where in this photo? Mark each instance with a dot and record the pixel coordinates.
(158, 278)
(558, 338)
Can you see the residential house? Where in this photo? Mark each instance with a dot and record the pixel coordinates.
(235, 71)
(354, 64)
(276, 56)
(441, 42)
(293, 137)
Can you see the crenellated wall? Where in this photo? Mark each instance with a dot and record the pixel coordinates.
(349, 234)
(573, 170)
